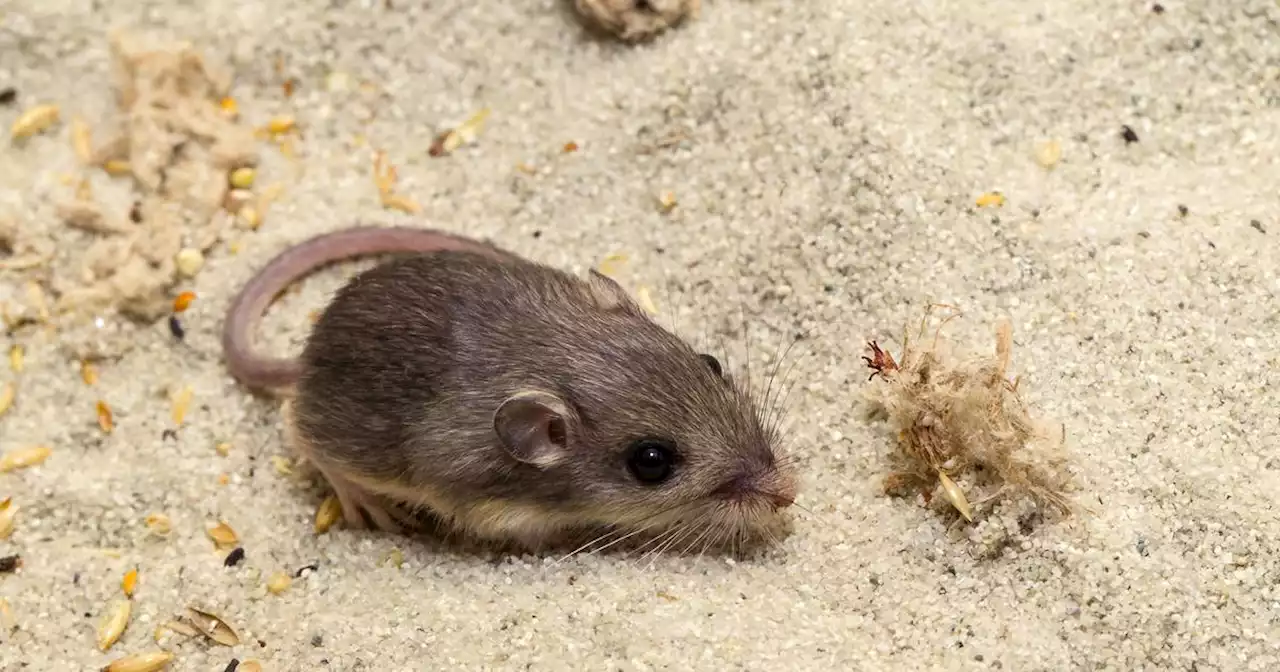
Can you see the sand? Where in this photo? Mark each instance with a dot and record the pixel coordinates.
(827, 158)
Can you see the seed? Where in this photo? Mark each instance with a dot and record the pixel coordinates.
(667, 201)
(24, 457)
(394, 557)
(183, 301)
(401, 203)
(281, 464)
(140, 662)
(7, 395)
(612, 263)
(35, 120)
(129, 582)
(229, 107)
(250, 666)
(17, 358)
(328, 513)
(281, 124)
(189, 261)
(181, 400)
(213, 627)
(224, 479)
(88, 373)
(159, 524)
(1049, 153)
(242, 178)
(10, 564)
(222, 535)
(8, 621)
(81, 141)
(113, 624)
(646, 301)
(105, 420)
(570, 146)
(8, 513)
(990, 198)
(955, 495)
(223, 449)
(117, 167)
(278, 583)
(249, 217)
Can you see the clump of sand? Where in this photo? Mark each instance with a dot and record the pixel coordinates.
(965, 439)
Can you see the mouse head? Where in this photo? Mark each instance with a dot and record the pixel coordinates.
(648, 434)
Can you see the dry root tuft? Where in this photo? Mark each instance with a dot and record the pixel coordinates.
(635, 21)
(961, 426)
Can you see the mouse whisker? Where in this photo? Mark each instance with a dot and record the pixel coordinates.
(685, 530)
(593, 541)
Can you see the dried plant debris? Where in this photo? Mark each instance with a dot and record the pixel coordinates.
(212, 626)
(962, 429)
(632, 21)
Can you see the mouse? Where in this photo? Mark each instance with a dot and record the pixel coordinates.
(508, 400)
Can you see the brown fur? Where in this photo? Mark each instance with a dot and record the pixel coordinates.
(400, 382)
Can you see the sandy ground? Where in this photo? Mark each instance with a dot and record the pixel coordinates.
(827, 157)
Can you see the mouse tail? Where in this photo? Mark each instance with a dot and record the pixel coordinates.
(259, 371)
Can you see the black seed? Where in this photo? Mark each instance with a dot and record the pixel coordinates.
(175, 327)
(1257, 225)
(1128, 134)
(8, 95)
(234, 557)
(10, 563)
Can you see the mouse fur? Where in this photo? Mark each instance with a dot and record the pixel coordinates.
(516, 402)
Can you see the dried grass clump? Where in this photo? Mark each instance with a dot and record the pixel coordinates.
(632, 21)
(961, 422)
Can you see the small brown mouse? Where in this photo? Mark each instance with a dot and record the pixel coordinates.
(513, 401)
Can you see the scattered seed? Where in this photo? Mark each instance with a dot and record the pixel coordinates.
(281, 125)
(35, 120)
(189, 261)
(667, 596)
(17, 358)
(401, 203)
(328, 513)
(129, 582)
(1128, 134)
(667, 201)
(223, 449)
(232, 666)
(570, 147)
(1049, 153)
(105, 419)
(249, 218)
(394, 557)
(8, 95)
(113, 623)
(8, 514)
(305, 568)
(183, 301)
(213, 627)
(8, 621)
(222, 535)
(278, 583)
(234, 557)
(991, 198)
(10, 563)
(282, 464)
(159, 525)
(117, 167)
(176, 328)
(224, 478)
(24, 457)
(81, 140)
(612, 263)
(466, 132)
(7, 394)
(230, 108)
(181, 401)
(88, 372)
(242, 178)
(646, 300)
(955, 495)
(184, 629)
(140, 662)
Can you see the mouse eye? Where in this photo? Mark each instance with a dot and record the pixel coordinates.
(712, 363)
(651, 461)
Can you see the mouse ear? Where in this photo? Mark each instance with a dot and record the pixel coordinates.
(533, 427)
(606, 292)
